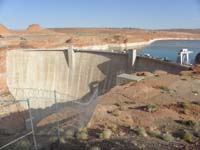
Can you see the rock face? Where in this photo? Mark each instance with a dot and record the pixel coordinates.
(4, 29)
(197, 59)
(34, 28)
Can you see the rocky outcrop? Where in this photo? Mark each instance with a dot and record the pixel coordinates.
(197, 59)
(34, 28)
(4, 29)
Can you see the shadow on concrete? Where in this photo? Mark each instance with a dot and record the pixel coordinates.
(117, 63)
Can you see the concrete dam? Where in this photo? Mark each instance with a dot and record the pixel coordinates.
(76, 72)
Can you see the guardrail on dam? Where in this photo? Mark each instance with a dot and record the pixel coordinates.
(75, 72)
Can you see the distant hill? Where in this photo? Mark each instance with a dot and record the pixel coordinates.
(193, 31)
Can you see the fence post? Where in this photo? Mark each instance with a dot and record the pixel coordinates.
(57, 119)
(32, 127)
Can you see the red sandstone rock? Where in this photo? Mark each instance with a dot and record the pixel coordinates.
(4, 29)
(34, 28)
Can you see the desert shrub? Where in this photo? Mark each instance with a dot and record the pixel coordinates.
(187, 136)
(82, 129)
(62, 140)
(151, 107)
(23, 145)
(53, 139)
(82, 136)
(184, 79)
(95, 148)
(113, 127)
(129, 102)
(186, 105)
(191, 123)
(141, 131)
(155, 133)
(167, 137)
(106, 134)
(61, 130)
(69, 134)
(82, 133)
(163, 88)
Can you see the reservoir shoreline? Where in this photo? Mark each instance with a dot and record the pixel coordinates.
(135, 45)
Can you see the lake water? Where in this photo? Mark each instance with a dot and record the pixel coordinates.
(170, 48)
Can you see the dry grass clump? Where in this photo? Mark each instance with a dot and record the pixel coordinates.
(106, 134)
(185, 105)
(141, 131)
(95, 148)
(151, 108)
(191, 123)
(187, 136)
(163, 88)
(69, 134)
(155, 133)
(23, 145)
(167, 137)
(82, 133)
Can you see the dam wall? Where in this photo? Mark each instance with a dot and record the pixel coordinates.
(76, 73)
(151, 65)
(52, 70)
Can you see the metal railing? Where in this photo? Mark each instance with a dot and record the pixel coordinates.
(60, 105)
(32, 132)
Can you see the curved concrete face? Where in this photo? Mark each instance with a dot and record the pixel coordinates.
(52, 70)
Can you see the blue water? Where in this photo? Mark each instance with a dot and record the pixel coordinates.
(170, 48)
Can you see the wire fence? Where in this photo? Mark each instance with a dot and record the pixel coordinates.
(36, 118)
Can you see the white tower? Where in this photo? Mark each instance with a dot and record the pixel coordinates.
(184, 57)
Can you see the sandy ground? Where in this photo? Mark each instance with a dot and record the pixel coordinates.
(126, 107)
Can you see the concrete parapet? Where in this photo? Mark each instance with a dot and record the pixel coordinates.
(151, 65)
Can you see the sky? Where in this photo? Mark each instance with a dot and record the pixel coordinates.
(148, 14)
